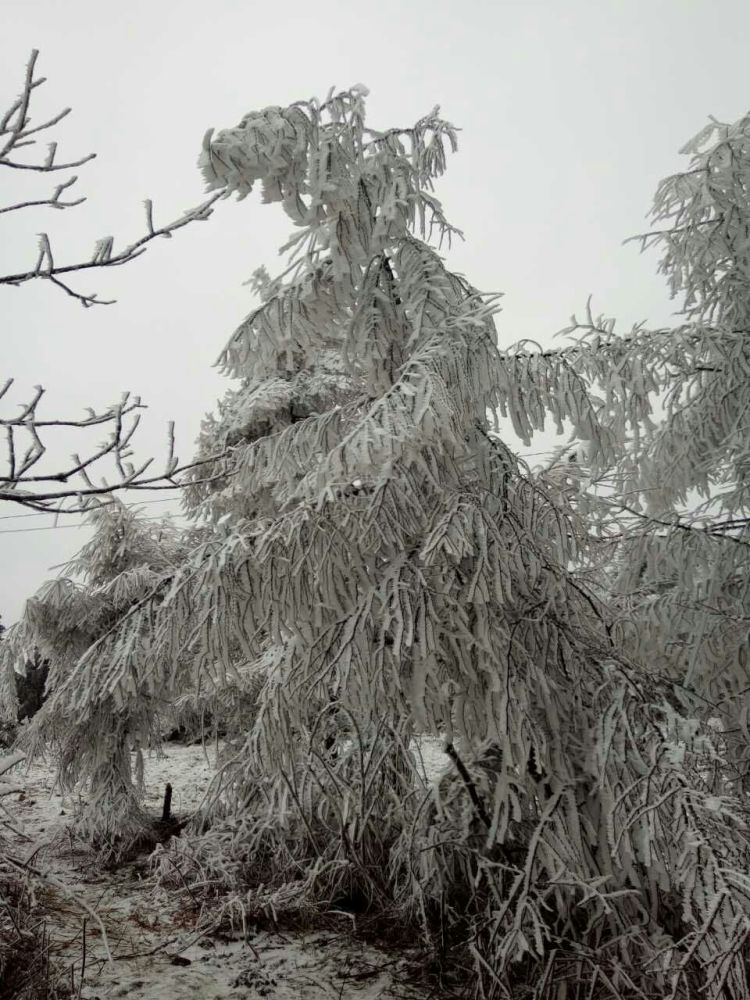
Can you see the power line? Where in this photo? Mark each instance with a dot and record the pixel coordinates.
(56, 513)
(50, 527)
(63, 527)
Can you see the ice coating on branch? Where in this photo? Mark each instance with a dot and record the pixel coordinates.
(375, 566)
(269, 145)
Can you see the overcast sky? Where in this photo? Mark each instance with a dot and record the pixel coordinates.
(570, 113)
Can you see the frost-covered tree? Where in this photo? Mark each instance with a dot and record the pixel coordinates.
(127, 560)
(670, 515)
(674, 514)
(385, 570)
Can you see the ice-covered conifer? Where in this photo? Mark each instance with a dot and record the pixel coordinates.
(127, 560)
(380, 564)
(673, 510)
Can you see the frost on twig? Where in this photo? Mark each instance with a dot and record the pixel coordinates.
(24, 477)
(18, 133)
(72, 489)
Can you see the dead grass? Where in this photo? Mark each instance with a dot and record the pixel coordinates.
(27, 971)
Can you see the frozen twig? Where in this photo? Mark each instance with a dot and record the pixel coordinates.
(23, 482)
(15, 133)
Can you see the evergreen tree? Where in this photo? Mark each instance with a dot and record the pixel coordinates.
(668, 517)
(674, 517)
(384, 569)
(684, 560)
(125, 562)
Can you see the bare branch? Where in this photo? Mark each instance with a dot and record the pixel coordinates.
(85, 300)
(103, 256)
(53, 202)
(26, 451)
(15, 133)
(48, 166)
(20, 481)
(20, 108)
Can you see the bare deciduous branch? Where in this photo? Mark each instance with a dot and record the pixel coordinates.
(24, 480)
(15, 132)
(20, 480)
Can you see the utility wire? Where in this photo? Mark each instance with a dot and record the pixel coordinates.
(63, 527)
(51, 527)
(56, 513)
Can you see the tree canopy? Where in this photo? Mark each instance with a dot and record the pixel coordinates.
(373, 568)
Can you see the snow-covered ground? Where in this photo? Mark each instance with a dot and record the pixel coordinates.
(157, 954)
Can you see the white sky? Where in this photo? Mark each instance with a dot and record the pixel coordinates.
(571, 113)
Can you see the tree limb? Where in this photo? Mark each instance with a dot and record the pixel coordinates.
(15, 131)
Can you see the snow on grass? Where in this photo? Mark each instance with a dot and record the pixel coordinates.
(157, 952)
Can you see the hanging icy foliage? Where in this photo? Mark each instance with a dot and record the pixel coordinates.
(379, 568)
(125, 563)
(672, 506)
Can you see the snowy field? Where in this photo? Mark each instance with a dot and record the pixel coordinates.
(157, 954)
